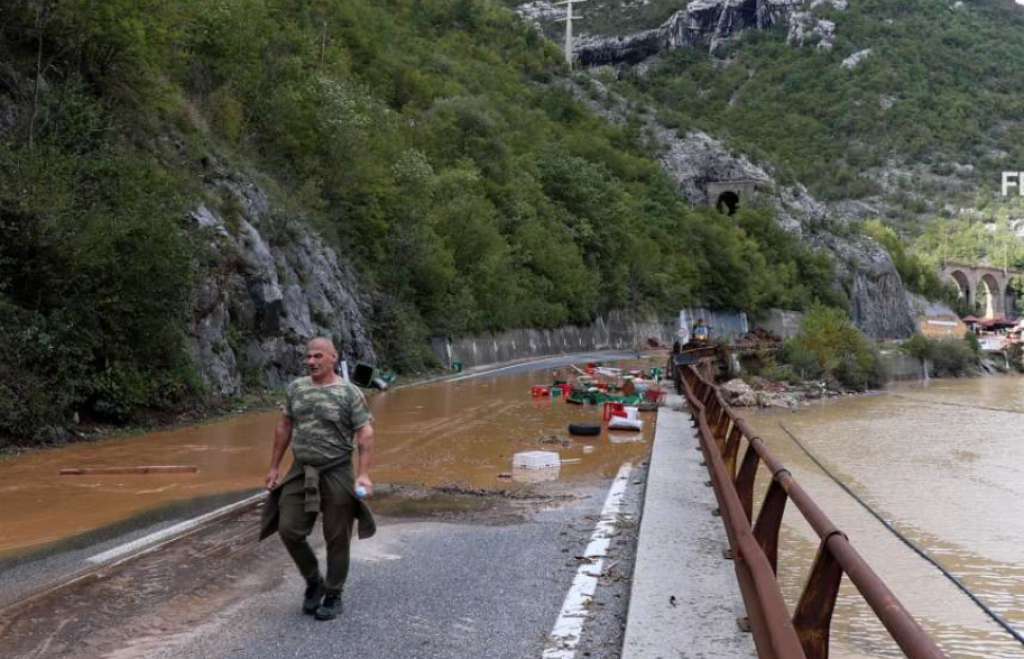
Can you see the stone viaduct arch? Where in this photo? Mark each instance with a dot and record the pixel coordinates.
(987, 291)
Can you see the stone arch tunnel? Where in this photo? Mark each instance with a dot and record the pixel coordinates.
(728, 196)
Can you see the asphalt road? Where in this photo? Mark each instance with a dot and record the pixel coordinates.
(485, 582)
(459, 575)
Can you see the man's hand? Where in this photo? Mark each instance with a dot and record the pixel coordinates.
(272, 477)
(364, 481)
(282, 438)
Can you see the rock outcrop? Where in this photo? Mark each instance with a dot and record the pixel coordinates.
(630, 49)
(707, 23)
(703, 23)
(852, 61)
(271, 284)
(804, 27)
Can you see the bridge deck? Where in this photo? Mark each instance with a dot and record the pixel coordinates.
(685, 600)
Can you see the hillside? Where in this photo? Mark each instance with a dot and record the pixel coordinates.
(900, 108)
(190, 189)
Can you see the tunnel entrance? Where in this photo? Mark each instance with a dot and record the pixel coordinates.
(724, 196)
(727, 202)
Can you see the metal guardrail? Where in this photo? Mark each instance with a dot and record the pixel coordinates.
(804, 634)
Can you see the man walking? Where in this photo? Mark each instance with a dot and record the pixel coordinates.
(324, 419)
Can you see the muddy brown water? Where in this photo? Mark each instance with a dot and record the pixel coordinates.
(461, 433)
(948, 475)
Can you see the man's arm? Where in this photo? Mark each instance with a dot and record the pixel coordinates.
(364, 440)
(282, 438)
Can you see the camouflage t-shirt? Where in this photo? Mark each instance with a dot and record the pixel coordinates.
(324, 419)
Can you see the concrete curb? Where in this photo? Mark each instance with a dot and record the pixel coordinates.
(685, 600)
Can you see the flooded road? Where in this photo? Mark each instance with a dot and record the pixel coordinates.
(947, 474)
(461, 433)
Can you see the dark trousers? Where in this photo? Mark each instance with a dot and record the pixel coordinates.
(338, 507)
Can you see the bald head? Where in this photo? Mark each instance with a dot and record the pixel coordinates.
(321, 357)
(321, 343)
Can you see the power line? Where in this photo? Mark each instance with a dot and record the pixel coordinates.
(951, 404)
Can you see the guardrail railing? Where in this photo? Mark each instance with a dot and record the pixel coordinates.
(754, 544)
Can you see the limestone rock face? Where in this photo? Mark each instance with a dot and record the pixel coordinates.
(271, 285)
(707, 23)
(630, 49)
(852, 61)
(879, 304)
(803, 27)
(539, 12)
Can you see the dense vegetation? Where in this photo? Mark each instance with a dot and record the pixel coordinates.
(985, 237)
(919, 274)
(830, 348)
(434, 144)
(985, 240)
(949, 357)
(941, 86)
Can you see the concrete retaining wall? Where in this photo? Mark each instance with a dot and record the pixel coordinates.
(783, 324)
(619, 331)
(903, 367)
(724, 325)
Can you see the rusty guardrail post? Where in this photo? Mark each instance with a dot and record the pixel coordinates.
(745, 480)
(813, 616)
(732, 447)
(769, 522)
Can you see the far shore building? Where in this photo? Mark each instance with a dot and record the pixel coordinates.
(937, 321)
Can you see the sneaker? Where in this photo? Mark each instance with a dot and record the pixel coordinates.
(314, 593)
(331, 608)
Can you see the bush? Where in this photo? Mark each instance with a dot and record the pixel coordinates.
(830, 347)
(918, 346)
(42, 372)
(948, 357)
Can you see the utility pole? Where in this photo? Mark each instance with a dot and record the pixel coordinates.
(323, 46)
(568, 27)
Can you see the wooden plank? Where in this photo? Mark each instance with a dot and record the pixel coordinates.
(149, 469)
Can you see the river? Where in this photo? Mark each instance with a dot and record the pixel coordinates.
(947, 474)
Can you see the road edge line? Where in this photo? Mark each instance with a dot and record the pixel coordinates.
(568, 630)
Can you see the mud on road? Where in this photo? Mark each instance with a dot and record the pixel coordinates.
(475, 550)
(180, 600)
(462, 432)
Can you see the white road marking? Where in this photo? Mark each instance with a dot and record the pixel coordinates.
(498, 370)
(568, 630)
(144, 542)
(539, 360)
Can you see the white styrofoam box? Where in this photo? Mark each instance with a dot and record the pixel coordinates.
(632, 413)
(623, 423)
(545, 475)
(536, 460)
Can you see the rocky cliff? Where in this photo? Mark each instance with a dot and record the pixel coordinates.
(703, 23)
(270, 284)
(702, 166)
